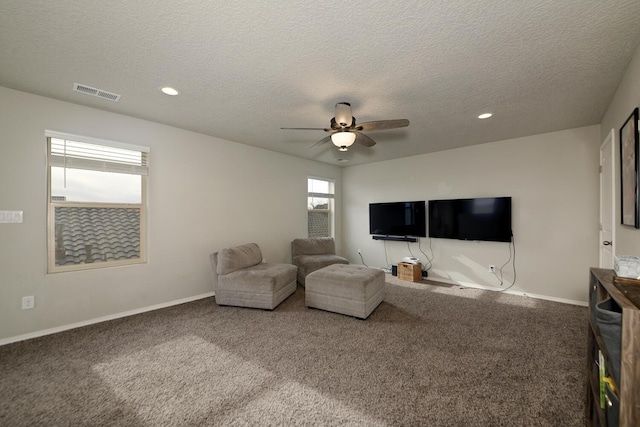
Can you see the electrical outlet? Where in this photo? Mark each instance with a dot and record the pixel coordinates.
(492, 268)
(28, 302)
(359, 252)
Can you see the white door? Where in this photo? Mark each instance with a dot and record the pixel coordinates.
(607, 201)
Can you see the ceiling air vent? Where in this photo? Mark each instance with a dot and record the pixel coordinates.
(88, 90)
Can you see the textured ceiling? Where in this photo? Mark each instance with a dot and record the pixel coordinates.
(247, 68)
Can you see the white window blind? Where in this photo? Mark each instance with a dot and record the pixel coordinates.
(321, 195)
(78, 152)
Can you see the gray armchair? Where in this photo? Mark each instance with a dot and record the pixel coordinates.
(310, 255)
(240, 278)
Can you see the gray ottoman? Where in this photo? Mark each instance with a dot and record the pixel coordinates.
(353, 290)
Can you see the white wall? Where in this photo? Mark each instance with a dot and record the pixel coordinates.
(553, 180)
(627, 97)
(204, 194)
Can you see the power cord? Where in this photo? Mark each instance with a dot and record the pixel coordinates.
(429, 260)
(512, 258)
(386, 258)
(409, 248)
(362, 259)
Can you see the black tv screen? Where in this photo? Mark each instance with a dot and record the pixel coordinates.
(487, 218)
(398, 219)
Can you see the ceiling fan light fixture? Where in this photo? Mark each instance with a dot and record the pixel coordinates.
(344, 132)
(343, 140)
(343, 114)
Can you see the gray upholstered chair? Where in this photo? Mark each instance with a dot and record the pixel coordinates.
(240, 278)
(310, 255)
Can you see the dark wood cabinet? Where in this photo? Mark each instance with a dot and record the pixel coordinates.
(627, 393)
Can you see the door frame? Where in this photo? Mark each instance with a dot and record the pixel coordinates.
(608, 145)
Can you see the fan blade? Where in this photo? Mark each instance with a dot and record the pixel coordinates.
(324, 129)
(382, 125)
(322, 141)
(364, 140)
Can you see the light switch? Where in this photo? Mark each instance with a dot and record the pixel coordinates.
(7, 217)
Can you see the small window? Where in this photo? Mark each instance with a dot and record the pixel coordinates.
(97, 203)
(320, 207)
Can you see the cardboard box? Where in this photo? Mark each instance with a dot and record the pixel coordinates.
(409, 272)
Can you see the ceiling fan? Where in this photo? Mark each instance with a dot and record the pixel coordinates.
(344, 131)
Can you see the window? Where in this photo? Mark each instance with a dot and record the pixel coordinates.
(320, 205)
(96, 202)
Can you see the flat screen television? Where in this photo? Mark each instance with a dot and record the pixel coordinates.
(398, 219)
(487, 219)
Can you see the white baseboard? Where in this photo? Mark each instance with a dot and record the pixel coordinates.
(42, 333)
(37, 334)
(511, 291)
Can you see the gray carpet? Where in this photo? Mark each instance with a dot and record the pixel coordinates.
(429, 355)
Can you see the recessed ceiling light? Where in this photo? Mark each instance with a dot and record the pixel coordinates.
(485, 116)
(169, 91)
